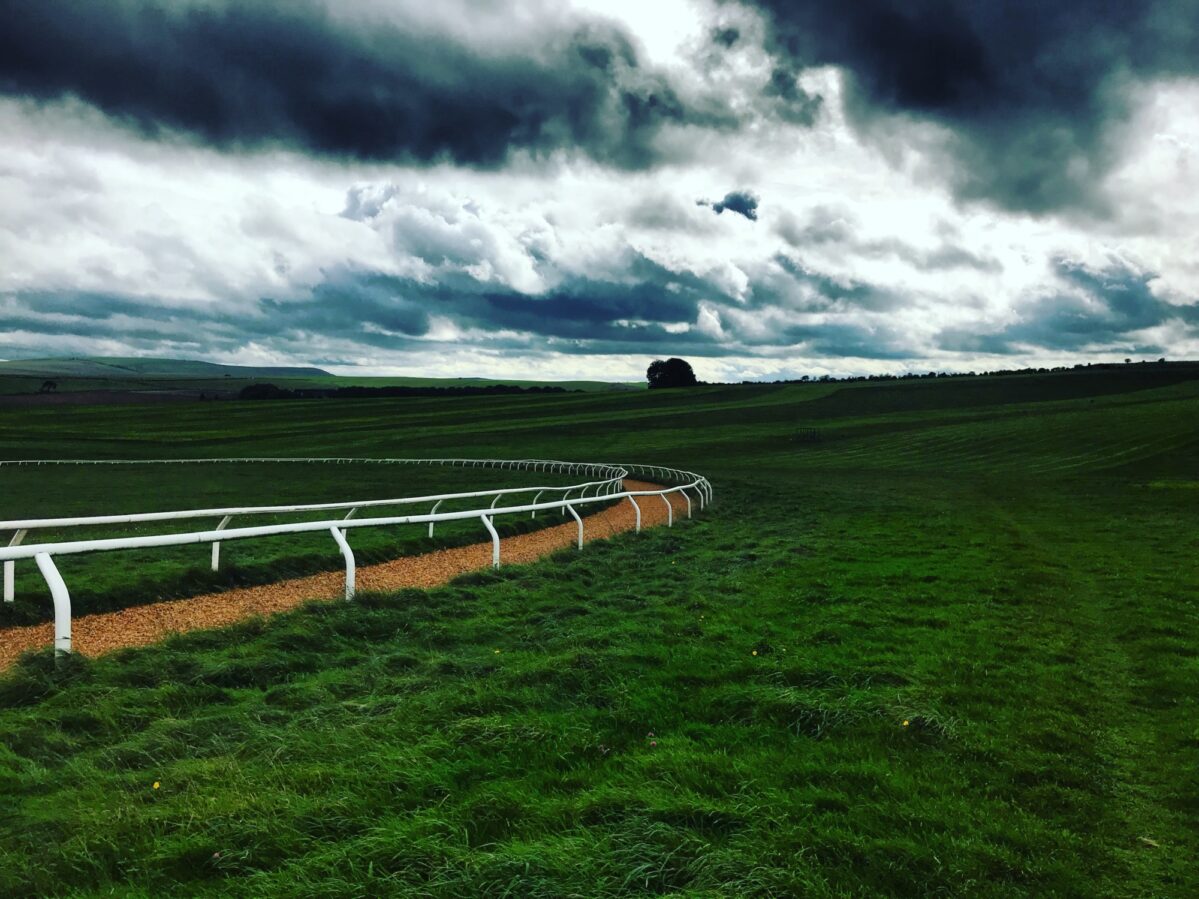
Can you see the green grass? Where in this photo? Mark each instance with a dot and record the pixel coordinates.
(1008, 577)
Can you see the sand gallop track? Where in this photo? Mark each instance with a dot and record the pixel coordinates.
(94, 635)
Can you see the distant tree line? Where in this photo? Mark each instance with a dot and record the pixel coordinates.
(678, 373)
(274, 392)
(915, 376)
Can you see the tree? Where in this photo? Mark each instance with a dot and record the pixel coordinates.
(670, 373)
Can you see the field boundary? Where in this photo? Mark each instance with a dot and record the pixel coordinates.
(608, 488)
(146, 624)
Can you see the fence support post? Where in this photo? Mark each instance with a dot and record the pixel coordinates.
(62, 604)
(669, 510)
(535, 498)
(686, 497)
(495, 541)
(216, 546)
(431, 512)
(10, 569)
(340, 537)
(580, 521)
(637, 509)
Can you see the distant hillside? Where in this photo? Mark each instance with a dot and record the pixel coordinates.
(582, 386)
(121, 368)
(113, 379)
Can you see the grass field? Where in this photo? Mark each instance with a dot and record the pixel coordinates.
(934, 638)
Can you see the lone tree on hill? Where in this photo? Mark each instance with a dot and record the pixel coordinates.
(671, 373)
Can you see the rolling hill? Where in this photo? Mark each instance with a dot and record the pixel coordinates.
(119, 379)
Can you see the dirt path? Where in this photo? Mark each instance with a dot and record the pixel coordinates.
(93, 635)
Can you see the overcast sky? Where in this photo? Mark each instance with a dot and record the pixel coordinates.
(570, 189)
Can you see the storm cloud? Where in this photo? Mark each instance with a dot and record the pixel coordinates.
(742, 202)
(1109, 308)
(1028, 89)
(240, 75)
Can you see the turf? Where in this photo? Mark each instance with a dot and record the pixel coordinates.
(937, 647)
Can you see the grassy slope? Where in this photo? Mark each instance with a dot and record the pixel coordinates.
(119, 366)
(1001, 576)
(178, 375)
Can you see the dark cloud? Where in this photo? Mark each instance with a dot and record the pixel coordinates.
(742, 202)
(796, 105)
(1027, 87)
(386, 312)
(825, 292)
(249, 75)
(637, 313)
(821, 316)
(1094, 309)
(726, 37)
(850, 339)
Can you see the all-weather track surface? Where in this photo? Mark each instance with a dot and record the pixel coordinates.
(95, 635)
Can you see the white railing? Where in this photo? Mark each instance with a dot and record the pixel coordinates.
(607, 488)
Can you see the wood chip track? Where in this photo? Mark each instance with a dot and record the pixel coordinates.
(94, 635)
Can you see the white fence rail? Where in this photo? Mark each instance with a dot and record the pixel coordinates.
(607, 487)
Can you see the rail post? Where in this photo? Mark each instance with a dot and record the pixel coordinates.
(686, 497)
(62, 605)
(216, 546)
(10, 570)
(344, 546)
(433, 511)
(580, 521)
(535, 498)
(637, 509)
(669, 510)
(495, 541)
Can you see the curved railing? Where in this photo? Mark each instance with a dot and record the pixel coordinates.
(607, 486)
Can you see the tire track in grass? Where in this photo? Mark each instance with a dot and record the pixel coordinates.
(94, 635)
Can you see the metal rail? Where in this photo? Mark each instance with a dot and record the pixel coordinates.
(614, 475)
(608, 489)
